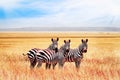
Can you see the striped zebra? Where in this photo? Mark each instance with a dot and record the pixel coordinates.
(32, 53)
(53, 46)
(51, 57)
(75, 55)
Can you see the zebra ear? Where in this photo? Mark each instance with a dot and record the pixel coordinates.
(82, 40)
(64, 41)
(57, 39)
(86, 40)
(69, 40)
(52, 39)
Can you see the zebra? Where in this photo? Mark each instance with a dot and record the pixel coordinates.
(75, 55)
(53, 46)
(32, 53)
(51, 57)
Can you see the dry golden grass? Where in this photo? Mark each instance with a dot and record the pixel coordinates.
(101, 62)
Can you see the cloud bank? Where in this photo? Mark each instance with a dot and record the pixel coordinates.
(59, 13)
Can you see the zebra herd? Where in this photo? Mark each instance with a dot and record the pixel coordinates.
(52, 55)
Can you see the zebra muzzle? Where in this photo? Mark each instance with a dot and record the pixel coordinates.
(67, 50)
(56, 49)
(85, 51)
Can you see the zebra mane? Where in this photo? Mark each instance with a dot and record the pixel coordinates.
(62, 47)
(80, 47)
(50, 47)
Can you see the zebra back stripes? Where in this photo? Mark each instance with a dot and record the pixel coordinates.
(51, 57)
(75, 55)
(32, 53)
(45, 55)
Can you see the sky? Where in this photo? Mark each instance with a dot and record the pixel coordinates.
(59, 13)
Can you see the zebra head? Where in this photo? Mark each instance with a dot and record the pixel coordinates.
(83, 47)
(66, 47)
(54, 45)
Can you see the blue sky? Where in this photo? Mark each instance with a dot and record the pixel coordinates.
(59, 13)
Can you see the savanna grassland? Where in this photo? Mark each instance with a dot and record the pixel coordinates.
(101, 62)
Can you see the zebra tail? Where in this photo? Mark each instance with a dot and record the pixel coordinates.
(24, 54)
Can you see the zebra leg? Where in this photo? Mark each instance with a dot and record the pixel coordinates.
(39, 64)
(77, 63)
(47, 65)
(33, 63)
(61, 63)
(54, 65)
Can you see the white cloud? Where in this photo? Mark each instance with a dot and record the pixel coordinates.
(9, 4)
(68, 13)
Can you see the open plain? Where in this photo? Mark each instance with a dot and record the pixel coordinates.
(101, 62)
